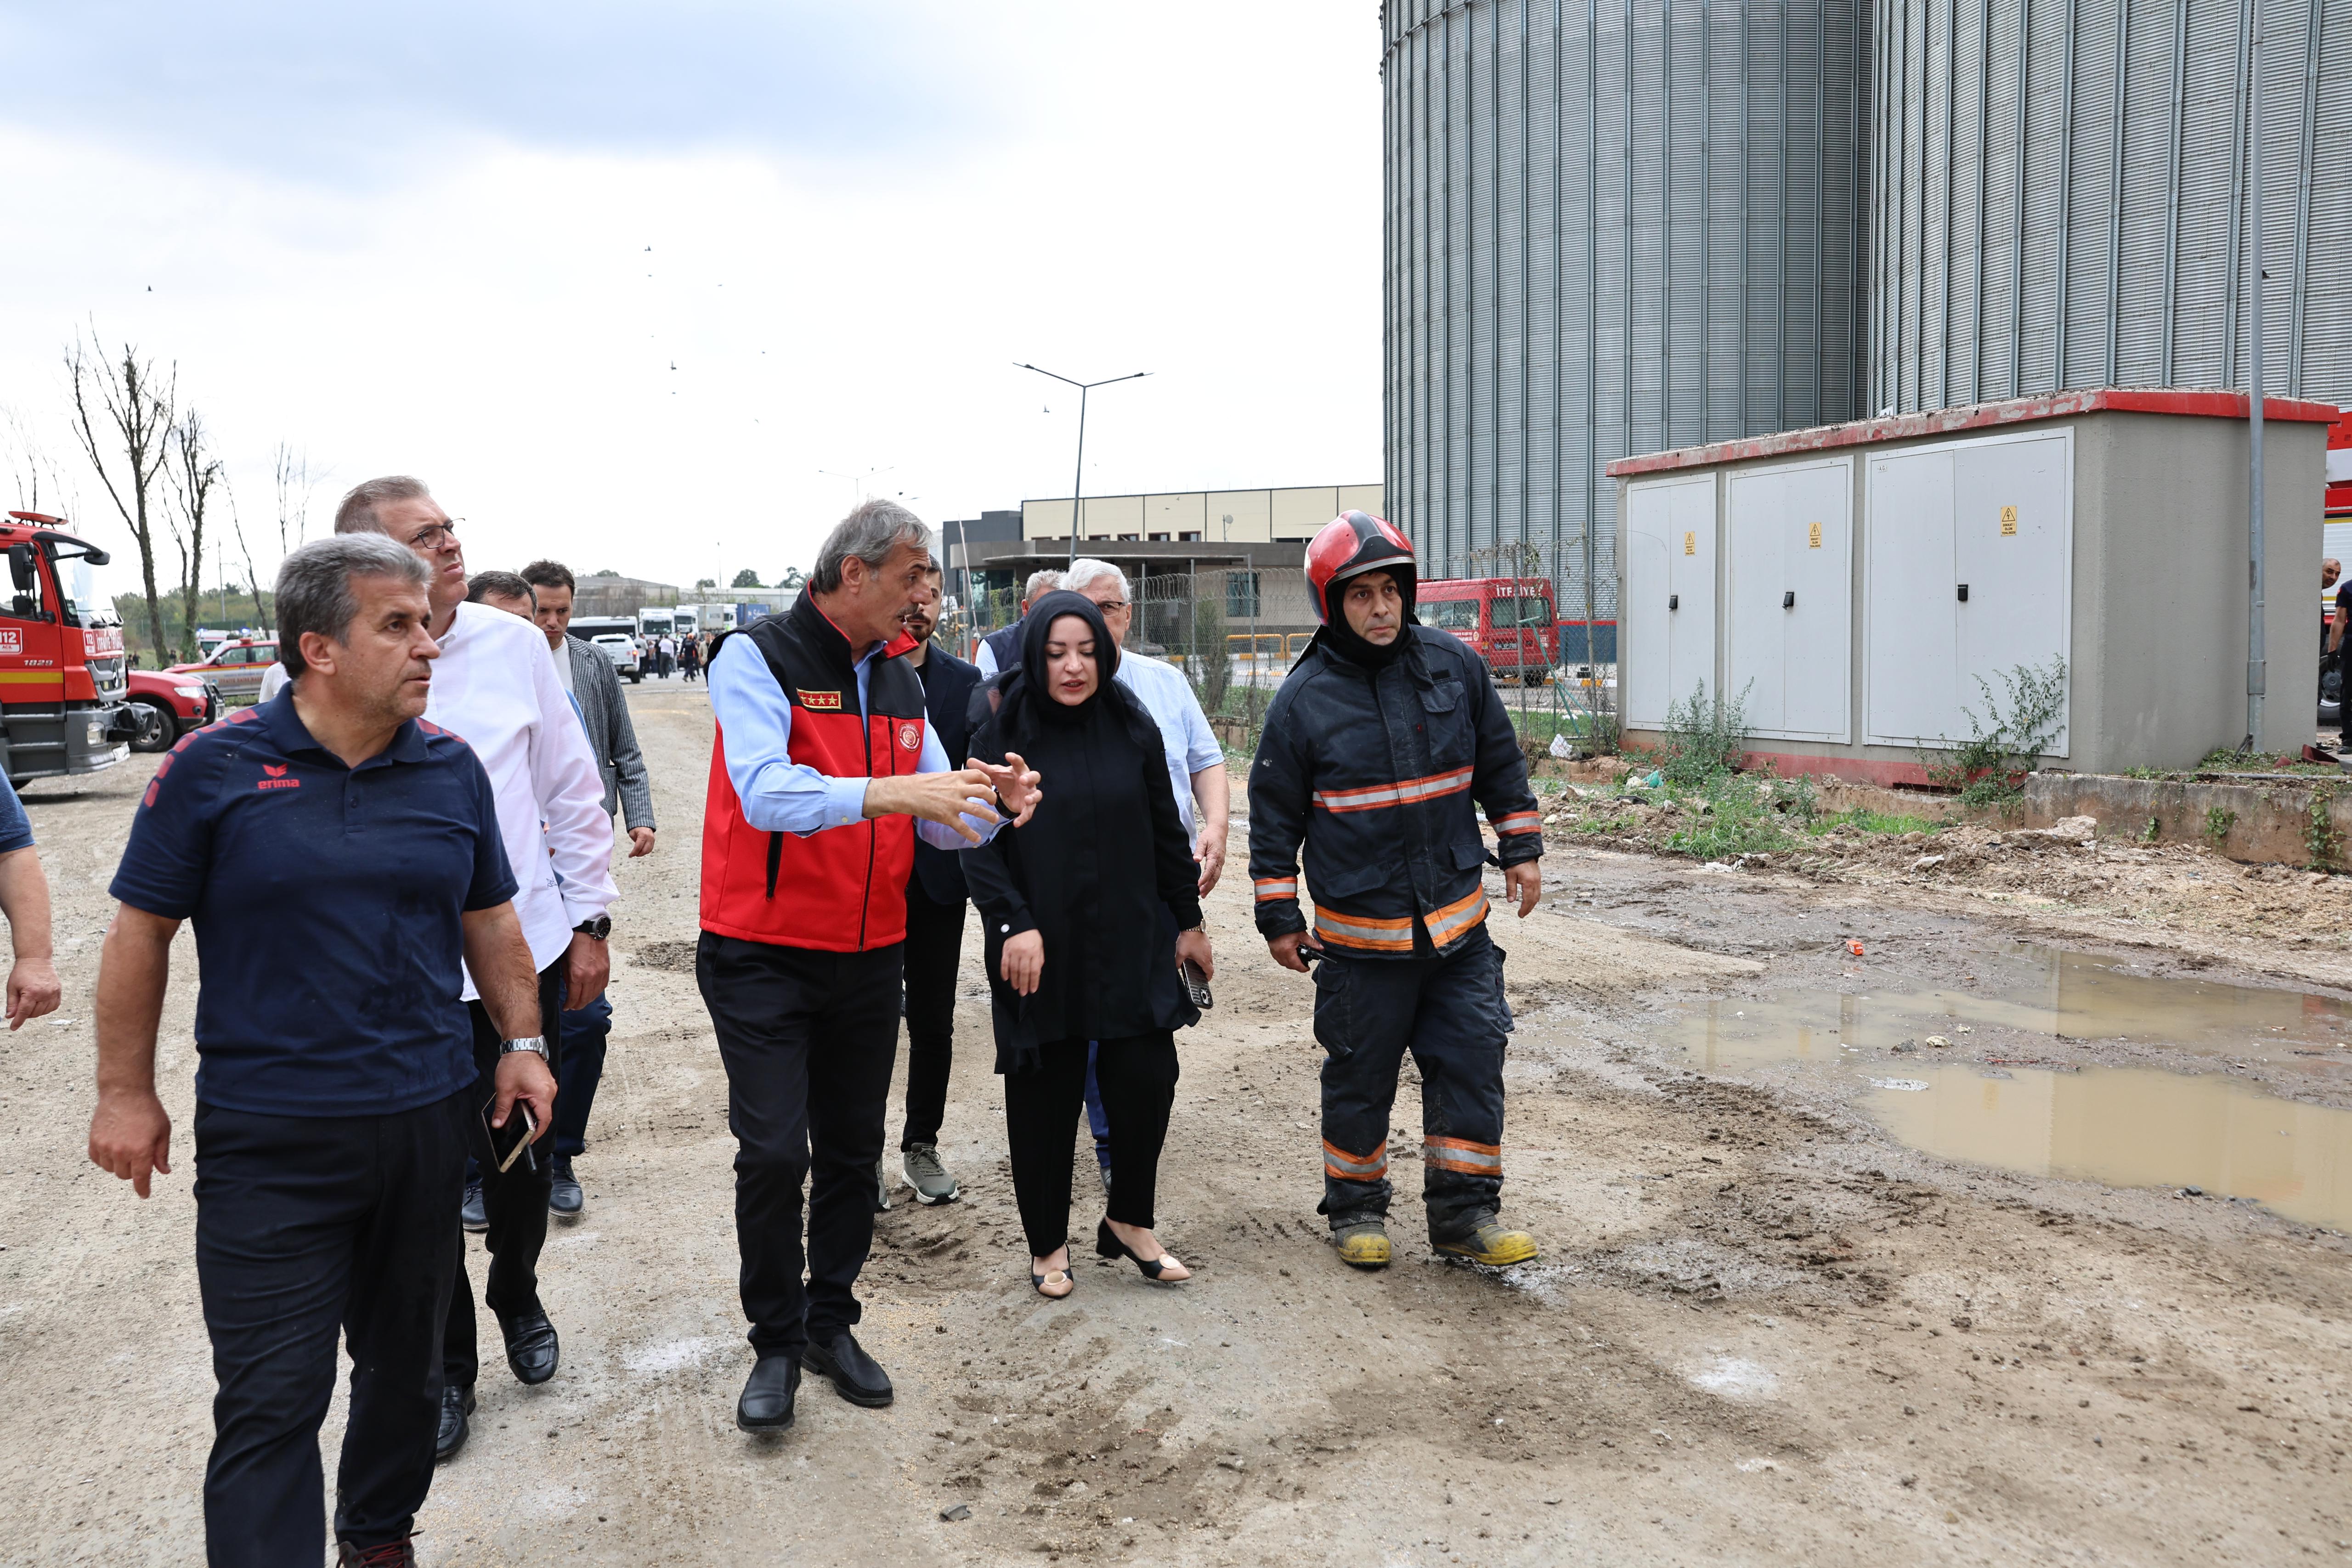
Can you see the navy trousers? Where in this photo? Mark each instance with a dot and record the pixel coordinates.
(586, 1032)
(305, 1227)
(1451, 1013)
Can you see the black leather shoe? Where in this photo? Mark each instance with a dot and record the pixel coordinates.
(855, 1377)
(532, 1349)
(564, 1198)
(768, 1393)
(471, 1214)
(456, 1404)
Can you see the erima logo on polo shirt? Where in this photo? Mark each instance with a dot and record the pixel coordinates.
(276, 780)
(828, 701)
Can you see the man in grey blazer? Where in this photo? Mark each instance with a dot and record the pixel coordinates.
(587, 674)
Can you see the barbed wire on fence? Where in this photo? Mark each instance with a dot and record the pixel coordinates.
(1236, 631)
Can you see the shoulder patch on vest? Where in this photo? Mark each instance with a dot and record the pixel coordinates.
(829, 702)
(911, 735)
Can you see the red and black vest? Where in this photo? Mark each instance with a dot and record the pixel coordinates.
(842, 890)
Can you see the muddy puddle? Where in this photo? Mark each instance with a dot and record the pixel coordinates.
(2130, 1126)
(2126, 1126)
(2029, 990)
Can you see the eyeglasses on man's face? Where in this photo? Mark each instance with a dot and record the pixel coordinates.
(432, 535)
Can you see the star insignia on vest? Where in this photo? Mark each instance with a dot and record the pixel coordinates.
(828, 702)
(911, 735)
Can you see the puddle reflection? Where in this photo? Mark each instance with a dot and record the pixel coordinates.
(2129, 1126)
(2124, 1126)
(2034, 990)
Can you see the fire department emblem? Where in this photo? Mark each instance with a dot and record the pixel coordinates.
(911, 735)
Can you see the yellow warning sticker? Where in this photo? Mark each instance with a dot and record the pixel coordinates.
(1690, 544)
(1812, 535)
(2009, 522)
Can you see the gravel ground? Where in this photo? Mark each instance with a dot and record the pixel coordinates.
(1763, 1330)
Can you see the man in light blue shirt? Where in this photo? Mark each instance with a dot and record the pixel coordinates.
(1196, 762)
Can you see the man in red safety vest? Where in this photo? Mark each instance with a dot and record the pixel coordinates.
(823, 771)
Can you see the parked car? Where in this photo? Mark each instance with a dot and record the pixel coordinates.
(163, 706)
(626, 653)
(236, 667)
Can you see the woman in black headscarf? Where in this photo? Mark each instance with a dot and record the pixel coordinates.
(1088, 908)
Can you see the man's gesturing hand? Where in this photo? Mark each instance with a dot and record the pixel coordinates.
(1023, 962)
(1524, 882)
(523, 1076)
(1285, 949)
(1015, 783)
(937, 798)
(131, 1136)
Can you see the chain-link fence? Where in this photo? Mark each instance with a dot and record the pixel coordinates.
(1236, 631)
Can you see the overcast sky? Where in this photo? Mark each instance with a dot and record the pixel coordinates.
(620, 281)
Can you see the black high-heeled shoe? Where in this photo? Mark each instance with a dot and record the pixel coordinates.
(1108, 1245)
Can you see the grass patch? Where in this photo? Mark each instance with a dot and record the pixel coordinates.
(1988, 768)
(1863, 821)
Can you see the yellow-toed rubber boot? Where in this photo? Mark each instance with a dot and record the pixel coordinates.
(1494, 1245)
(1363, 1244)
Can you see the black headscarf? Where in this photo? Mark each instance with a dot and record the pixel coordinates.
(1020, 700)
(1345, 639)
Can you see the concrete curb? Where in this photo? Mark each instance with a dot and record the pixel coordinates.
(2265, 822)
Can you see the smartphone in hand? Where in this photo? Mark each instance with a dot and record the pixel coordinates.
(512, 1140)
(1196, 983)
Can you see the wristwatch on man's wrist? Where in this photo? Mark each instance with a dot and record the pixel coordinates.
(600, 928)
(536, 1045)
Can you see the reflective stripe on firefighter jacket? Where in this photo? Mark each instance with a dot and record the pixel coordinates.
(1378, 773)
(842, 890)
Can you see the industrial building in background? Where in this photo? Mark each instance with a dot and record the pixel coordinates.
(1620, 228)
(1609, 230)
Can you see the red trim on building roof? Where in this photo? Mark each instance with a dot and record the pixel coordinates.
(1979, 416)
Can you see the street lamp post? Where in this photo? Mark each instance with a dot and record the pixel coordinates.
(1078, 479)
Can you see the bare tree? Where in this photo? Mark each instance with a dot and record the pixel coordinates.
(196, 473)
(33, 473)
(295, 480)
(260, 604)
(123, 417)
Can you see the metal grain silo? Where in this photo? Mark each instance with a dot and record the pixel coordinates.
(1610, 226)
(2060, 196)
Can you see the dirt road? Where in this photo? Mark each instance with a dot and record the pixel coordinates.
(1766, 1328)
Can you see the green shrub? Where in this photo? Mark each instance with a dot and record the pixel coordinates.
(2008, 743)
(1701, 740)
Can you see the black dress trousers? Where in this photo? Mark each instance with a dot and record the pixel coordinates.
(515, 1199)
(308, 1227)
(808, 1038)
(934, 958)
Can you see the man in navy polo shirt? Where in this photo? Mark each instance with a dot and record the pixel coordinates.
(338, 858)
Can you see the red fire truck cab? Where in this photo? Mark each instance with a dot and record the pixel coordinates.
(1507, 618)
(61, 663)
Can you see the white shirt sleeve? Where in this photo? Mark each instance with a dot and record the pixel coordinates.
(570, 795)
(273, 681)
(987, 661)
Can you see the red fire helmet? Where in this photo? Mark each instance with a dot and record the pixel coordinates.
(1349, 544)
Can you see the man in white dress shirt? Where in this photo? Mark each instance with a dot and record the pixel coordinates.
(495, 687)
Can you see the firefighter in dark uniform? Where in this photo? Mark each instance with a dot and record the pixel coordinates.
(1383, 736)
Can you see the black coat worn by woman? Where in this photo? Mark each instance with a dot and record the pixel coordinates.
(1097, 866)
(1104, 873)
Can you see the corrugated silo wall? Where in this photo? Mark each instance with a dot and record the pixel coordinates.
(1610, 228)
(2098, 235)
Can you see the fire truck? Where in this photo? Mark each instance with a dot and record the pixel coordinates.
(1509, 620)
(62, 671)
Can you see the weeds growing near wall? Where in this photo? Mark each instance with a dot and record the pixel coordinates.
(1702, 739)
(2019, 724)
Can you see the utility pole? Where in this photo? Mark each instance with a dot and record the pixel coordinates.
(1077, 480)
(2257, 675)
